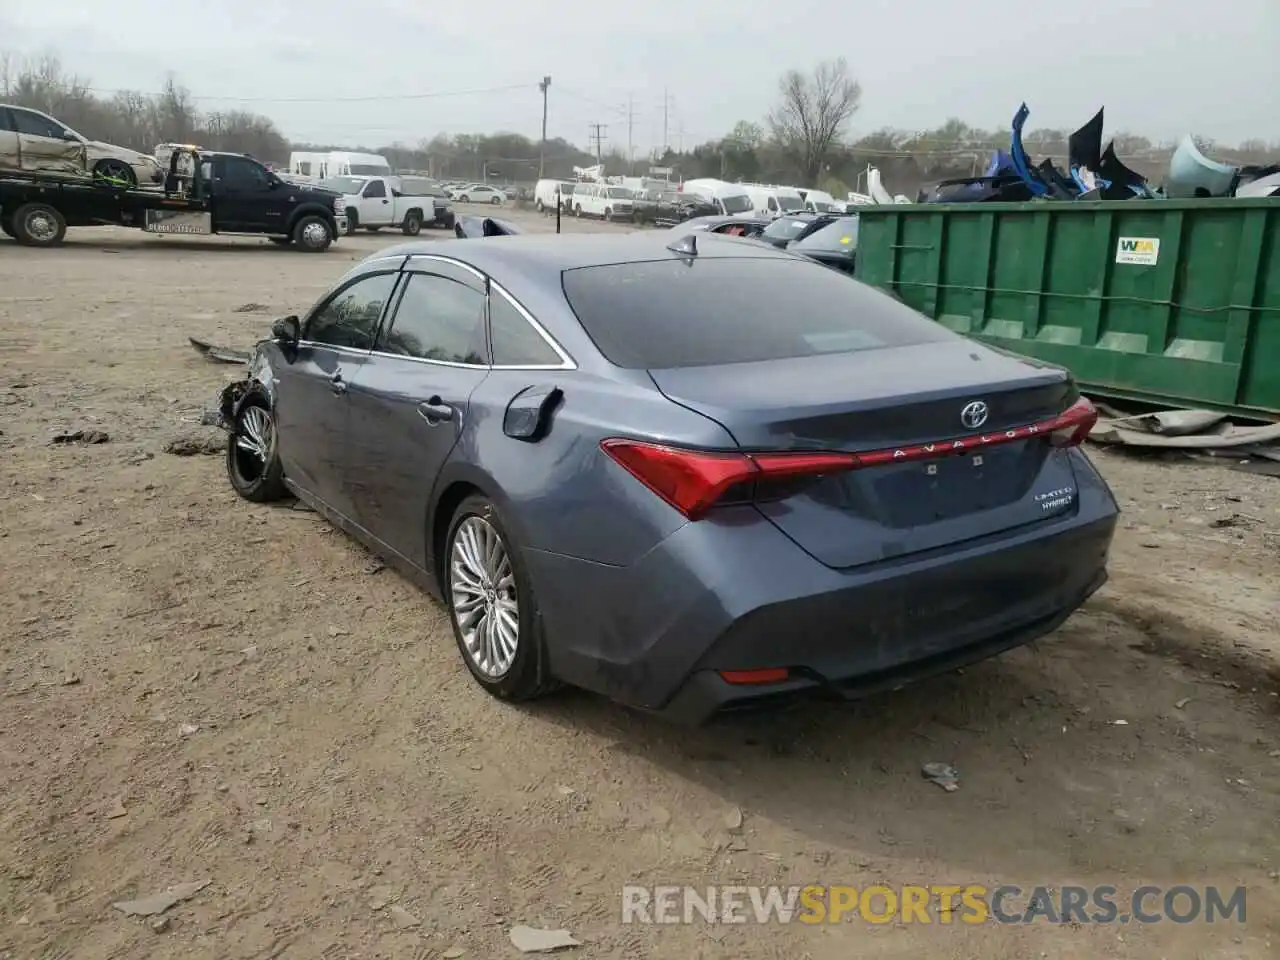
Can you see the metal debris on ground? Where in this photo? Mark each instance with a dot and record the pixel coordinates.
(158, 903)
(251, 308)
(532, 940)
(81, 436)
(943, 774)
(1193, 432)
(219, 354)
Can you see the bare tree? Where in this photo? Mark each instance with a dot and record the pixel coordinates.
(812, 113)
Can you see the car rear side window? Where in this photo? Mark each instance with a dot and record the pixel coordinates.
(34, 125)
(676, 313)
(515, 342)
(350, 318)
(437, 319)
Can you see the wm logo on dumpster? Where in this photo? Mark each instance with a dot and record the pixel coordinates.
(1144, 251)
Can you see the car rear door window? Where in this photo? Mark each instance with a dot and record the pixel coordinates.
(350, 318)
(515, 342)
(34, 125)
(437, 319)
(714, 310)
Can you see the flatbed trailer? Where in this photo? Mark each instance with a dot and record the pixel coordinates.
(204, 194)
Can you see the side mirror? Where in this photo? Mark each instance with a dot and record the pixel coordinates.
(71, 136)
(286, 332)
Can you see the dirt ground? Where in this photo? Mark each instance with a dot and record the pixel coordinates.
(193, 688)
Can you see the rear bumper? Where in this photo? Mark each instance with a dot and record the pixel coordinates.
(733, 594)
(705, 693)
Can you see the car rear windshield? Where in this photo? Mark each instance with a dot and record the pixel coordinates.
(841, 235)
(736, 203)
(671, 313)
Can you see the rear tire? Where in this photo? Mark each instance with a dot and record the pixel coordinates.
(496, 200)
(312, 234)
(412, 224)
(540, 206)
(38, 225)
(253, 454)
(481, 591)
(6, 226)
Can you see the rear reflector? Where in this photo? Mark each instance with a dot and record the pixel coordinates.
(693, 481)
(742, 677)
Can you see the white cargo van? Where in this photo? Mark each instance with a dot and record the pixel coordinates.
(729, 198)
(338, 163)
(768, 201)
(544, 193)
(819, 201)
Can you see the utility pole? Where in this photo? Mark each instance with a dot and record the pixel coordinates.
(542, 148)
(666, 102)
(630, 124)
(598, 136)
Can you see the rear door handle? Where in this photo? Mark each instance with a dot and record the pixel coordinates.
(337, 384)
(435, 411)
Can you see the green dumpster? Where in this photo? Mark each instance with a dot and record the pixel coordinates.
(1169, 302)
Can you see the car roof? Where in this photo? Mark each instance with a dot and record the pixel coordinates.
(548, 253)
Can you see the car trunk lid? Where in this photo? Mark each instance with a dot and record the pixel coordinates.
(906, 407)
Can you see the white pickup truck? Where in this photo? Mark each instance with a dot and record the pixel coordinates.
(377, 202)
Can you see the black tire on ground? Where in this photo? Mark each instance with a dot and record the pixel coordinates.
(608, 213)
(496, 200)
(112, 169)
(258, 478)
(464, 199)
(539, 206)
(527, 676)
(6, 226)
(412, 225)
(312, 234)
(577, 211)
(353, 222)
(38, 225)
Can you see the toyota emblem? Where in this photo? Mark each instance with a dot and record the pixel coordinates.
(974, 414)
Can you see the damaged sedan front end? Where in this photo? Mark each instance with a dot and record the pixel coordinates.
(258, 381)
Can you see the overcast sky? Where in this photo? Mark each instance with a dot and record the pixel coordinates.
(383, 70)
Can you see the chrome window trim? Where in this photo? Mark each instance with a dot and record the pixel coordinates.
(566, 361)
(449, 260)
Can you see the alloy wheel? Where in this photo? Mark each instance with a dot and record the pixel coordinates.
(255, 441)
(483, 597)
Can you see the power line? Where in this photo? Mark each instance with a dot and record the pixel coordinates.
(369, 99)
(598, 137)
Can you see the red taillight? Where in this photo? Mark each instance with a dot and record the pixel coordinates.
(693, 481)
(1074, 424)
(745, 677)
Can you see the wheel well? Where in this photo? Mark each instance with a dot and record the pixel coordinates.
(312, 210)
(417, 210)
(440, 520)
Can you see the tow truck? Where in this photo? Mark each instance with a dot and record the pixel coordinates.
(204, 193)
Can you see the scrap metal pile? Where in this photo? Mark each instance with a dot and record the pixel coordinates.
(1096, 173)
